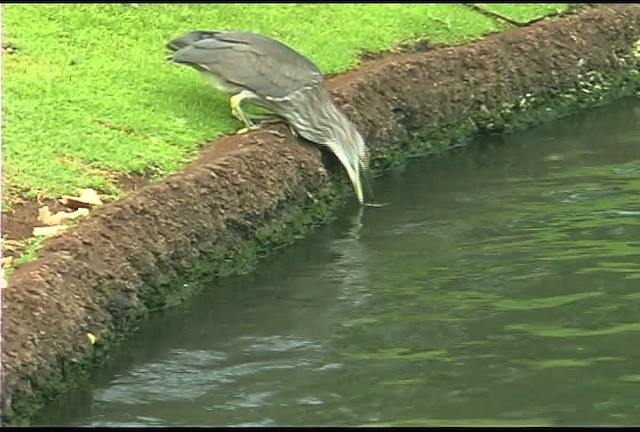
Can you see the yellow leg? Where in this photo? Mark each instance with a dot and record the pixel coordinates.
(270, 118)
(236, 110)
(246, 129)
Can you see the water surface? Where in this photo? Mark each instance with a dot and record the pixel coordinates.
(499, 286)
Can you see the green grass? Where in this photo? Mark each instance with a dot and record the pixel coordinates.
(524, 12)
(89, 88)
(29, 252)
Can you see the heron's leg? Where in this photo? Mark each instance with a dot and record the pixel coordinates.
(264, 118)
(236, 110)
(247, 117)
(278, 119)
(272, 118)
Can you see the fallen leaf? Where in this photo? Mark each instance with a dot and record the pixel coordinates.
(7, 261)
(11, 245)
(45, 216)
(86, 199)
(49, 230)
(92, 338)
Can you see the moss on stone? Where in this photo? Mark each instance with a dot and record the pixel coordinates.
(593, 89)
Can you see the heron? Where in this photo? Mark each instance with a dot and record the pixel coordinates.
(256, 69)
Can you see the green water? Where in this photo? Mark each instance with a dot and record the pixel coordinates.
(500, 286)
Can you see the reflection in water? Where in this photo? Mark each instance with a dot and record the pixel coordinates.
(499, 286)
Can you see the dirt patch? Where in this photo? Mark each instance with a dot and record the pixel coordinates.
(17, 225)
(132, 182)
(251, 192)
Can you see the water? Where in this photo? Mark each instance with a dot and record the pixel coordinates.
(499, 286)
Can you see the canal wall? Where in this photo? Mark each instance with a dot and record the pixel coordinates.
(247, 195)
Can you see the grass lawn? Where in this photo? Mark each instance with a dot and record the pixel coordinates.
(88, 92)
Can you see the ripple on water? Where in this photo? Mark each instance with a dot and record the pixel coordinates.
(277, 343)
(172, 379)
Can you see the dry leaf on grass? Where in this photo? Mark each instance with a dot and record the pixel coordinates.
(92, 338)
(45, 216)
(86, 199)
(11, 245)
(49, 230)
(7, 261)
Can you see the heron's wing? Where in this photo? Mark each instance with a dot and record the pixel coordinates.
(263, 65)
(270, 47)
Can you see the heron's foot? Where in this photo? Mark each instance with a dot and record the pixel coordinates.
(263, 118)
(292, 130)
(250, 128)
(248, 124)
(248, 118)
(276, 133)
(277, 119)
(259, 126)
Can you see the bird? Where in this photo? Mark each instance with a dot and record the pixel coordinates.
(265, 72)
